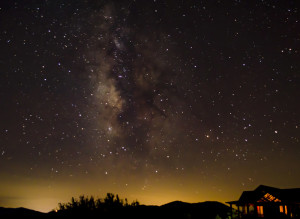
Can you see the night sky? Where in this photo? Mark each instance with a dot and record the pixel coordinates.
(155, 100)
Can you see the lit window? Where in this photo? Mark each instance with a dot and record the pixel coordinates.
(281, 209)
(285, 207)
(260, 211)
(269, 198)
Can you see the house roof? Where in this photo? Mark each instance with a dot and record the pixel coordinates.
(263, 194)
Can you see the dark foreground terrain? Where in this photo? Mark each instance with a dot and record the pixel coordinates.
(177, 209)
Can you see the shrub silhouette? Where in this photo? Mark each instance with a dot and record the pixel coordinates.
(90, 204)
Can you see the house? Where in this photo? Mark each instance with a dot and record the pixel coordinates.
(268, 202)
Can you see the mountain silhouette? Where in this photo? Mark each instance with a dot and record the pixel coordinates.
(20, 212)
(174, 210)
(208, 209)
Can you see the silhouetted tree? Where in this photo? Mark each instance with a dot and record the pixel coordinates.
(135, 203)
(110, 202)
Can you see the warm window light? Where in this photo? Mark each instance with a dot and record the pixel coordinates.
(270, 198)
(285, 207)
(281, 209)
(260, 211)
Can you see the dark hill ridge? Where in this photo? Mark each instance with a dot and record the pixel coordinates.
(20, 212)
(208, 209)
(181, 204)
(174, 210)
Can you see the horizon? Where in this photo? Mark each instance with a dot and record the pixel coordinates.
(47, 209)
(152, 100)
(44, 205)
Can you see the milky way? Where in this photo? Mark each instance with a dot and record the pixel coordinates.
(132, 83)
